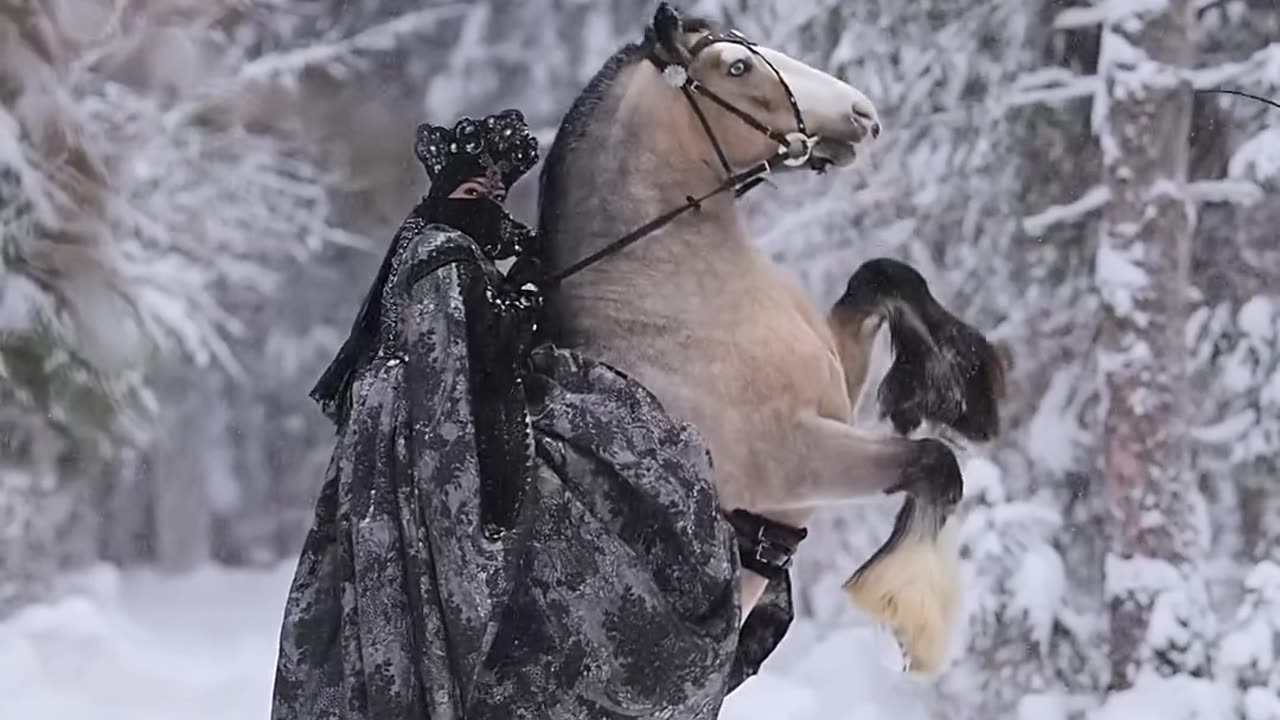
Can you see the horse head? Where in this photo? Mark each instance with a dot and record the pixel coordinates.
(780, 92)
(670, 118)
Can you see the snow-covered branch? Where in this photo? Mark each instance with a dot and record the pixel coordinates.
(1263, 63)
(1057, 85)
(382, 37)
(1048, 88)
(335, 57)
(1084, 16)
(1093, 200)
(1232, 192)
(1257, 160)
(1076, 18)
(1226, 191)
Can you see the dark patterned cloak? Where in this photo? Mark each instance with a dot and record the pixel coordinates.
(597, 580)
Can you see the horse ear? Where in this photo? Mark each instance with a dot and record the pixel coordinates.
(668, 33)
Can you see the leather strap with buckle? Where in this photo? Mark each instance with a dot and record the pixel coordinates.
(765, 547)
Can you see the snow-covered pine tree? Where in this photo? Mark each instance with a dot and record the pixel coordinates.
(1019, 624)
(125, 211)
(359, 114)
(67, 331)
(1161, 622)
(1235, 433)
(1234, 338)
(237, 467)
(1231, 264)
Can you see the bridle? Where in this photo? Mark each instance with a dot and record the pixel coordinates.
(794, 148)
(796, 145)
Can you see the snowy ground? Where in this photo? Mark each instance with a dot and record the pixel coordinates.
(198, 647)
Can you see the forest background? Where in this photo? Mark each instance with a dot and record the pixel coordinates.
(195, 193)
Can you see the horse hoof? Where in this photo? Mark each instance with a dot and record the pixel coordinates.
(932, 474)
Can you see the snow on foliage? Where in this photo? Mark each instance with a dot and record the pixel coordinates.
(125, 232)
(1249, 650)
(1091, 201)
(132, 225)
(1258, 158)
(1119, 277)
(1238, 350)
(1017, 614)
(1180, 697)
(1054, 435)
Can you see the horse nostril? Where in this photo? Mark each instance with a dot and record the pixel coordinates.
(866, 117)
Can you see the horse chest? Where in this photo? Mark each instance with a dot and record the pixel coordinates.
(784, 353)
(741, 355)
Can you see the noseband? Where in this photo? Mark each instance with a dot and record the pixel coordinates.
(793, 147)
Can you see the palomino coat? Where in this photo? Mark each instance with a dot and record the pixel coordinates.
(604, 586)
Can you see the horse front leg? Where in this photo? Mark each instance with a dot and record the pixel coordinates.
(832, 462)
(943, 371)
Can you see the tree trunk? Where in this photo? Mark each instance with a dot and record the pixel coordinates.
(1143, 114)
(29, 495)
(181, 511)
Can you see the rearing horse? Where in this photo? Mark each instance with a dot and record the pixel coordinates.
(717, 331)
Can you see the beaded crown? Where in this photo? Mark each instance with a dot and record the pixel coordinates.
(499, 147)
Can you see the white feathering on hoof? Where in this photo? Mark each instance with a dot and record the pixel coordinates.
(914, 588)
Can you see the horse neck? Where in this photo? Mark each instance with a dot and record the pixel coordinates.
(645, 161)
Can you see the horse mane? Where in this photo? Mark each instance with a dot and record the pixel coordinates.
(577, 121)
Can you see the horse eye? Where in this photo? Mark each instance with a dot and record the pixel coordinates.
(739, 68)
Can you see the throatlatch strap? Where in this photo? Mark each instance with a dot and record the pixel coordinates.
(706, 127)
(765, 546)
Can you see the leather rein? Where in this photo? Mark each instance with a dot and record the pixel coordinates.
(794, 147)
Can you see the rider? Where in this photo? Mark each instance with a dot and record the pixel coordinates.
(503, 532)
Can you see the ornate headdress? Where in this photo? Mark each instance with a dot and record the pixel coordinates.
(499, 147)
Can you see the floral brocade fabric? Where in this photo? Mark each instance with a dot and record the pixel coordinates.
(605, 588)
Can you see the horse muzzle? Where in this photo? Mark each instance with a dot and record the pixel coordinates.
(840, 148)
(829, 152)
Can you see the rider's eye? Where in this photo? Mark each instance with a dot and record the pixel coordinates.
(739, 68)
